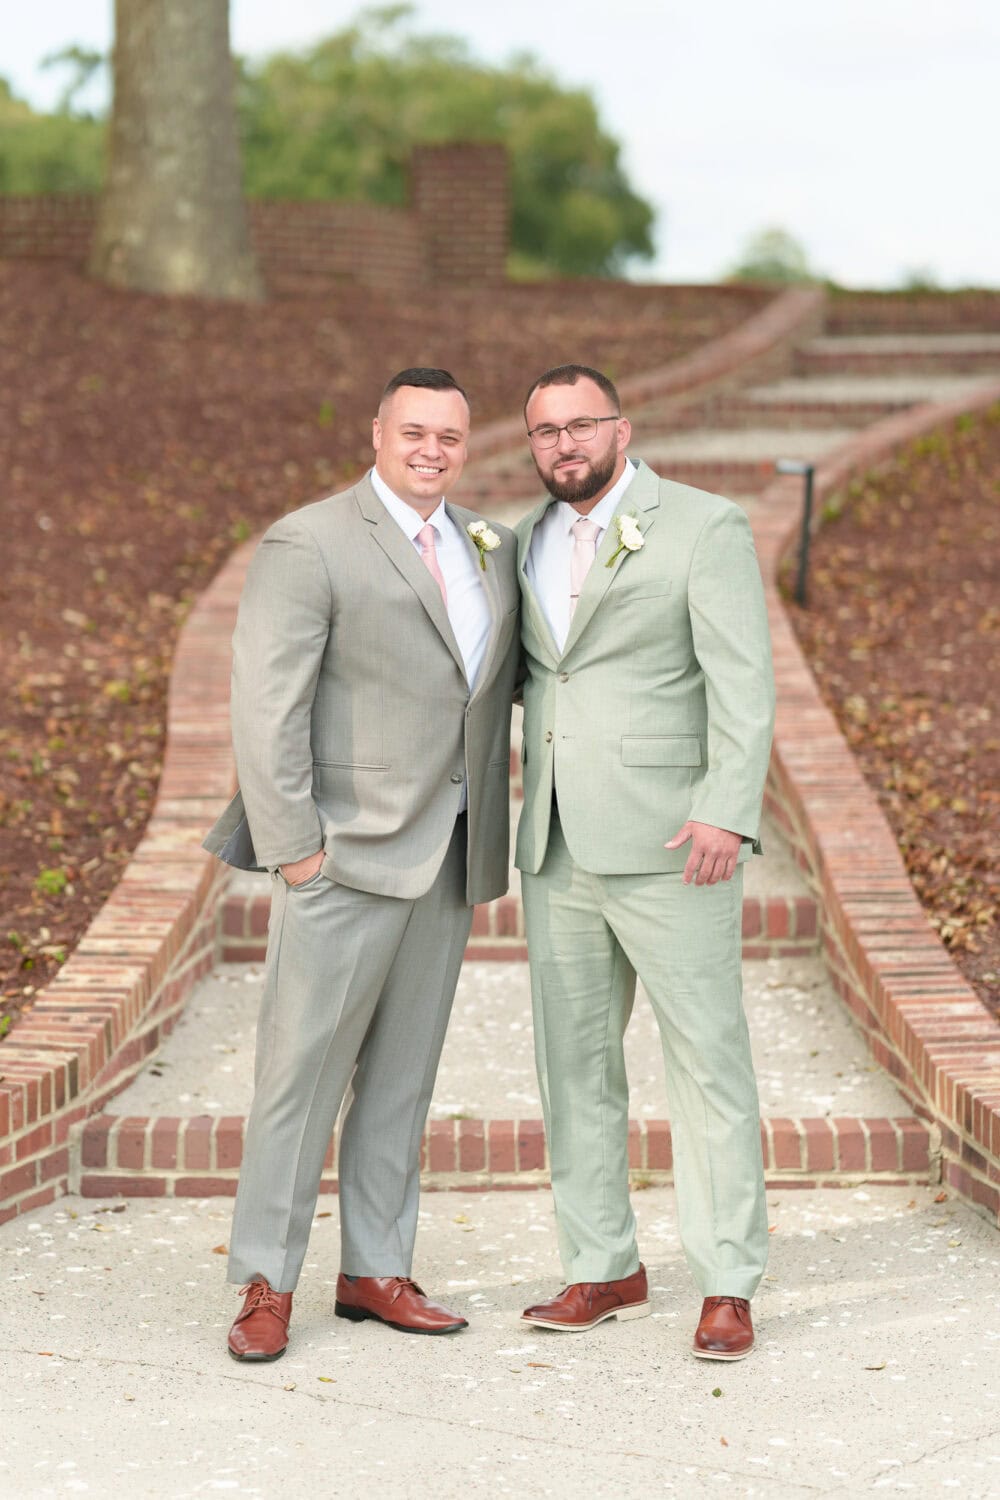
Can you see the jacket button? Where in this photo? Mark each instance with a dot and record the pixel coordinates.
(548, 736)
(564, 677)
(457, 778)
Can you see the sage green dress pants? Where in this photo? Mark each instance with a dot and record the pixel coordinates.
(588, 937)
(358, 991)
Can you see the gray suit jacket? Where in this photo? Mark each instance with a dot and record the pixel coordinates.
(660, 706)
(353, 724)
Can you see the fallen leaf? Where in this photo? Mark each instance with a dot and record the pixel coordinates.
(537, 1365)
(128, 1398)
(723, 1442)
(877, 1367)
(291, 1387)
(717, 1391)
(326, 1214)
(326, 1379)
(220, 1250)
(941, 1198)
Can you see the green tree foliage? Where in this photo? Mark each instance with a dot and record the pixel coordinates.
(773, 255)
(39, 153)
(339, 121)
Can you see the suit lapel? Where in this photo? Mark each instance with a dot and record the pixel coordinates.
(641, 497)
(536, 614)
(404, 557)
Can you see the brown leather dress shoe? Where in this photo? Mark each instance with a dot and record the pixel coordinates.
(724, 1330)
(395, 1300)
(261, 1330)
(587, 1303)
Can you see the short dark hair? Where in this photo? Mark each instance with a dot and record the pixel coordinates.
(569, 375)
(427, 378)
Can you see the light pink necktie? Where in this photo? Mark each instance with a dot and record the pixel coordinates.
(585, 534)
(425, 536)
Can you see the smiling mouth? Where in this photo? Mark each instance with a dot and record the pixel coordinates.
(426, 470)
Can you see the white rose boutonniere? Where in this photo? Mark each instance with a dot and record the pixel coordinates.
(485, 538)
(630, 538)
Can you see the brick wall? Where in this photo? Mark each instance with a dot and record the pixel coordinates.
(974, 311)
(53, 228)
(460, 197)
(455, 229)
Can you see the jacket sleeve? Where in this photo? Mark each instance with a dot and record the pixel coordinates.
(282, 629)
(733, 647)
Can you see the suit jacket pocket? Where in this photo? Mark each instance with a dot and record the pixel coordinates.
(651, 588)
(661, 750)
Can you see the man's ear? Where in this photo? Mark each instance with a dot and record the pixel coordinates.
(624, 433)
(376, 434)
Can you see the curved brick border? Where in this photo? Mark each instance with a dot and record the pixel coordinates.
(122, 989)
(922, 1021)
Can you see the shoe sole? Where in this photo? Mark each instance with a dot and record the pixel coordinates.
(361, 1314)
(633, 1310)
(708, 1354)
(256, 1359)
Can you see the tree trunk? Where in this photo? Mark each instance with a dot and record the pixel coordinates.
(172, 217)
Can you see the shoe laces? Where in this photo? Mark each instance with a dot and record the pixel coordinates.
(740, 1305)
(260, 1295)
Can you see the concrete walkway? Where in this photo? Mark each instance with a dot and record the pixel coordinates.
(877, 1367)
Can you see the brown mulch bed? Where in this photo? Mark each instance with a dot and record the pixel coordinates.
(903, 634)
(140, 439)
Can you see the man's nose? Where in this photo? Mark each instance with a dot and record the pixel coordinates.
(431, 445)
(565, 443)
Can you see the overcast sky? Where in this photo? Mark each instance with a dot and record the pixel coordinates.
(867, 128)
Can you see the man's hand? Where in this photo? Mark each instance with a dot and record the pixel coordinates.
(303, 869)
(713, 852)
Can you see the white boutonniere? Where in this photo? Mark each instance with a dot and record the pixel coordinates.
(630, 538)
(486, 540)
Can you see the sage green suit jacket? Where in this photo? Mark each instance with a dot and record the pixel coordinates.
(353, 724)
(660, 707)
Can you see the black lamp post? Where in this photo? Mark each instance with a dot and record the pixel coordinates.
(796, 466)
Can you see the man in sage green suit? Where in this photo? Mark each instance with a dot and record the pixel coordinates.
(373, 668)
(648, 713)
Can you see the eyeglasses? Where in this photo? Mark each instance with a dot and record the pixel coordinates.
(581, 430)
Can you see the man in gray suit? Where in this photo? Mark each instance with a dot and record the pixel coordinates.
(648, 710)
(374, 660)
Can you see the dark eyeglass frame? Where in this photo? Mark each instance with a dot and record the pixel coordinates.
(550, 427)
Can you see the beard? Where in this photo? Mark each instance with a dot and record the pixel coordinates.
(589, 484)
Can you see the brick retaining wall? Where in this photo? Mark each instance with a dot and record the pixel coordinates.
(455, 229)
(922, 1021)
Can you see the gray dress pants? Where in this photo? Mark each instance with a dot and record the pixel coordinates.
(358, 991)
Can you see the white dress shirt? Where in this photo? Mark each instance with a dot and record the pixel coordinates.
(551, 547)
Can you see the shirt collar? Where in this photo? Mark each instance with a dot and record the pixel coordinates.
(605, 508)
(410, 520)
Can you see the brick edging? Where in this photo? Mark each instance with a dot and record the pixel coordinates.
(773, 927)
(172, 1157)
(124, 986)
(923, 1022)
